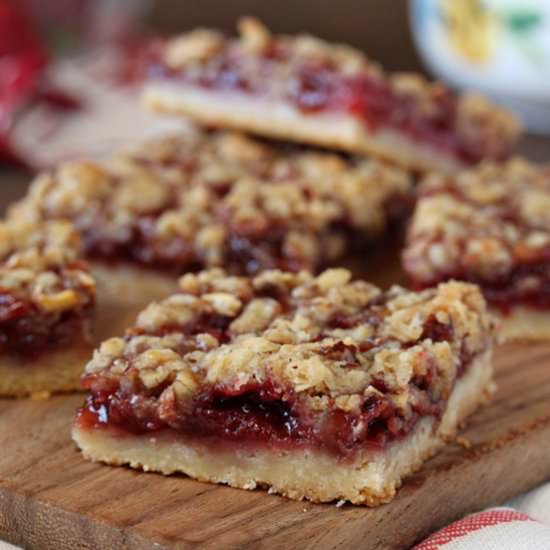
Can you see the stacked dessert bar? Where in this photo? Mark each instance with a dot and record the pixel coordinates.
(306, 90)
(266, 364)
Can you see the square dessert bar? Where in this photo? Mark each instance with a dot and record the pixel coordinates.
(206, 199)
(489, 226)
(304, 89)
(316, 388)
(46, 302)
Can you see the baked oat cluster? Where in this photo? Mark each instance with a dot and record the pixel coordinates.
(295, 67)
(204, 200)
(201, 45)
(46, 291)
(41, 264)
(323, 343)
(490, 225)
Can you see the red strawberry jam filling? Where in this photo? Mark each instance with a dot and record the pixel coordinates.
(247, 251)
(256, 414)
(264, 413)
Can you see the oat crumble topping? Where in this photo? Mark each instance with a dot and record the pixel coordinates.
(325, 342)
(280, 66)
(220, 199)
(490, 225)
(46, 291)
(41, 264)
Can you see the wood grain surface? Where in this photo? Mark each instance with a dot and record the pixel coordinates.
(52, 499)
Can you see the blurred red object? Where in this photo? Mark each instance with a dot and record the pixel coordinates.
(23, 58)
(85, 101)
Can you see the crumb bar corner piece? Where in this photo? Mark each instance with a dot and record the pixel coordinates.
(489, 226)
(300, 88)
(314, 387)
(47, 300)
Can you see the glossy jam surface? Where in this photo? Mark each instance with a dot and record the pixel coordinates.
(256, 413)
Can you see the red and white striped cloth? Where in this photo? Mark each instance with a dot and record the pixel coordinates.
(493, 529)
(523, 525)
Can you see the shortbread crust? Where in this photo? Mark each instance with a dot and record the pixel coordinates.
(123, 290)
(523, 324)
(53, 371)
(261, 116)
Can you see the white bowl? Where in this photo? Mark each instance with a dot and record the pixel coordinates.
(500, 47)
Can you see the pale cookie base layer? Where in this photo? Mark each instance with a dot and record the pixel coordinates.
(122, 292)
(371, 480)
(50, 372)
(524, 324)
(280, 120)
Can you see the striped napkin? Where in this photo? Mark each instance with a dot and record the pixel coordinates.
(523, 525)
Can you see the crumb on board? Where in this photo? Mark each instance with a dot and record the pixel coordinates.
(464, 442)
(40, 395)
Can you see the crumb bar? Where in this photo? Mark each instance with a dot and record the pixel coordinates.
(303, 89)
(46, 303)
(489, 226)
(313, 387)
(205, 199)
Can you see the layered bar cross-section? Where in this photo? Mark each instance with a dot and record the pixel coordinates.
(205, 199)
(314, 387)
(46, 308)
(489, 226)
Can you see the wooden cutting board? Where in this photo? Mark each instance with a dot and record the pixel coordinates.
(50, 498)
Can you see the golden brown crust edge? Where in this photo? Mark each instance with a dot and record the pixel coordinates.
(51, 372)
(524, 325)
